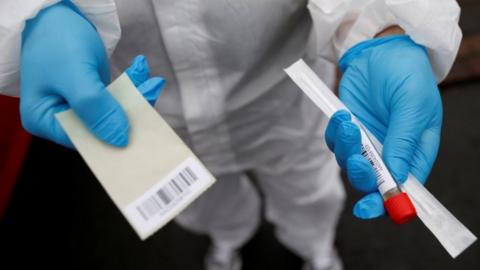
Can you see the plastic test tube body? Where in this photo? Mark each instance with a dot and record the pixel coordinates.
(385, 183)
(397, 203)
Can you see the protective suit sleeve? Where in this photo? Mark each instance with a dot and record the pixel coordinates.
(14, 13)
(340, 24)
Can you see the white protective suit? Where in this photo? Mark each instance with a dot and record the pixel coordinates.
(229, 99)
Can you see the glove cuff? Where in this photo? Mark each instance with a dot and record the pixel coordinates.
(72, 6)
(356, 50)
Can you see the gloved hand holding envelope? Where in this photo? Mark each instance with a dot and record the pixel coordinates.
(153, 178)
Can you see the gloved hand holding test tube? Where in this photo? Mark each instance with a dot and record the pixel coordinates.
(451, 233)
(397, 203)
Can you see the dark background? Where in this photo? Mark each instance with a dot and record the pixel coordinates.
(60, 217)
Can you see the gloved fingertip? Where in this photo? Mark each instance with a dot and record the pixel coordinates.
(332, 127)
(347, 142)
(157, 83)
(120, 139)
(152, 89)
(341, 115)
(399, 169)
(370, 206)
(360, 174)
(66, 142)
(113, 128)
(139, 62)
(348, 132)
(355, 162)
(138, 70)
(420, 173)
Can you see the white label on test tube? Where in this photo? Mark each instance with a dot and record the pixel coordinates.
(385, 181)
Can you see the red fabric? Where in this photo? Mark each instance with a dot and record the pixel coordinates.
(14, 142)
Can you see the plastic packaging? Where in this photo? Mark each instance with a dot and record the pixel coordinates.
(450, 232)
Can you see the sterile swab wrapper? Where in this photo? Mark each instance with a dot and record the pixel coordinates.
(449, 231)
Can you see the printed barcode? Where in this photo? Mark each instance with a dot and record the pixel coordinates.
(367, 153)
(165, 197)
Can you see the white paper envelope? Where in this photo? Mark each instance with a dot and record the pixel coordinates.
(152, 179)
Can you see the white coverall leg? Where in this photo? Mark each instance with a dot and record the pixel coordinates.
(229, 212)
(304, 202)
(303, 196)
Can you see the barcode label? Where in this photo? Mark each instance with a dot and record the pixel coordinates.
(367, 153)
(385, 181)
(177, 187)
(168, 197)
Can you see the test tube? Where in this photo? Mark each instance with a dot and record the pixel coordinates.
(397, 203)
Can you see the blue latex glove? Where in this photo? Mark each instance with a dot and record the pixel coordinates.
(64, 65)
(389, 85)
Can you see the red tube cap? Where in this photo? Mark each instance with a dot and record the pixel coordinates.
(400, 208)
